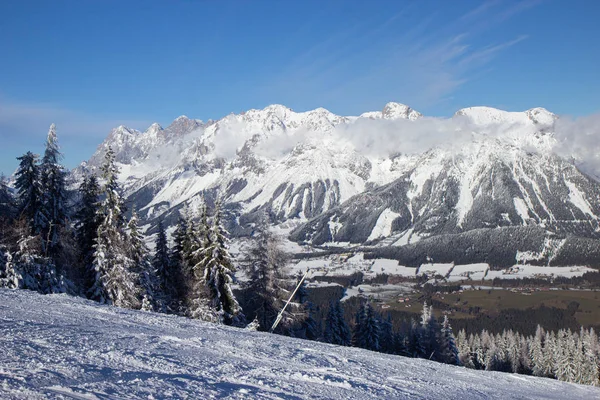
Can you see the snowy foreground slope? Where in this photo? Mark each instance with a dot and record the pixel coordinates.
(62, 347)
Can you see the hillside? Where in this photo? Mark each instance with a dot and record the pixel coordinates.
(63, 347)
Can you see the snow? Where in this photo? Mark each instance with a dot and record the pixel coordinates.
(391, 267)
(521, 209)
(435, 269)
(468, 271)
(488, 116)
(62, 347)
(531, 271)
(578, 200)
(383, 227)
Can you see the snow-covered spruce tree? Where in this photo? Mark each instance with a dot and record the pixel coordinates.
(447, 345)
(29, 193)
(86, 227)
(550, 344)
(152, 299)
(8, 275)
(464, 344)
(54, 195)
(199, 298)
(513, 351)
(218, 273)
(591, 356)
(565, 365)
(366, 330)
(115, 282)
(179, 277)
(34, 271)
(265, 293)
(336, 329)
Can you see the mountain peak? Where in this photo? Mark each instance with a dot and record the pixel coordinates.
(541, 116)
(154, 128)
(399, 111)
(123, 130)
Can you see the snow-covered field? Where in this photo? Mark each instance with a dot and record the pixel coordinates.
(349, 263)
(67, 348)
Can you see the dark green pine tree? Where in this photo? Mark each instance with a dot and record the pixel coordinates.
(115, 282)
(386, 335)
(336, 328)
(29, 192)
(309, 327)
(162, 265)
(447, 345)
(86, 227)
(367, 330)
(218, 274)
(151, 297)
(54, 195)
(428, 334)
(179, 268)
(264, 292)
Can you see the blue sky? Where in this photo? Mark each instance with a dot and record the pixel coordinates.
(89, 66)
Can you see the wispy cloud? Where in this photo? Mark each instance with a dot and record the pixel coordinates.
(421, 65)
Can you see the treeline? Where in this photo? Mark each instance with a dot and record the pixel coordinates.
(589, 280)
(565, 355)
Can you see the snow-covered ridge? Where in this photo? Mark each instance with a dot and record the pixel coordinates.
(298, 165)
(488, 115)
(57, 346)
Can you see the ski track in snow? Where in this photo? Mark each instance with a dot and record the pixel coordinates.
(62, 347)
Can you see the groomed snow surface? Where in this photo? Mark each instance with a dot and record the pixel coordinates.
(68, 348)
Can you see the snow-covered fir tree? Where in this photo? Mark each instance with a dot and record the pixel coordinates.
(447, 345)
(564, 355)
(87, 223)
(29, 193)
(34, 271)
(218, 273)
(8, 275)
(180, 276)
(115, 282)
(199, 296)
(152, 298)
(54, 195)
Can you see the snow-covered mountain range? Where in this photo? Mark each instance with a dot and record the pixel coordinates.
(62, 347)
(383, 178)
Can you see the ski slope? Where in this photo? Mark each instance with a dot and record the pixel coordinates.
(61, 347)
